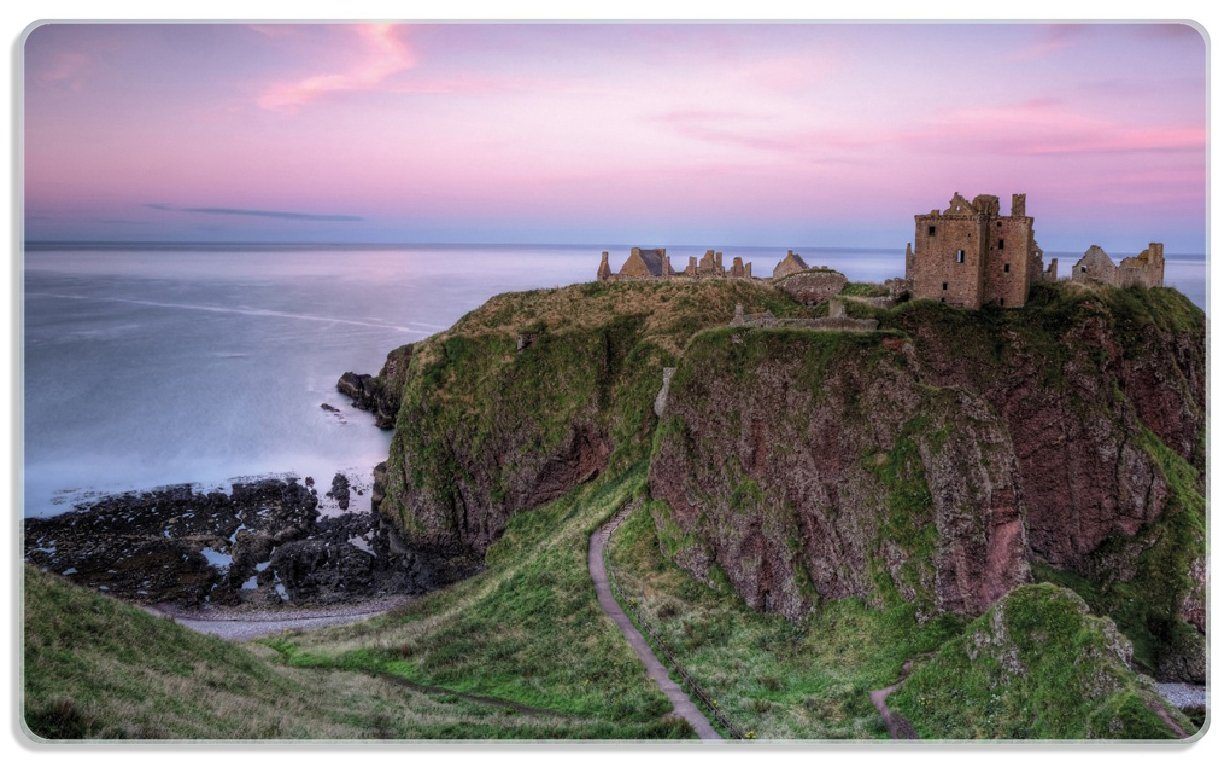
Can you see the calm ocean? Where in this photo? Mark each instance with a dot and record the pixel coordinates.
(147, 367)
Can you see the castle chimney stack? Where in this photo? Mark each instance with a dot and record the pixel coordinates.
(1018, 205)
(604, 269)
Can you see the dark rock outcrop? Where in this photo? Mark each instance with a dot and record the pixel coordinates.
(379, 394)
(340, 491)
(264, 543)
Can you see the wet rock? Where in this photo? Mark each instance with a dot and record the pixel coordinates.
(378, 476)
(322, 571)
(340, 491)
(264, 544)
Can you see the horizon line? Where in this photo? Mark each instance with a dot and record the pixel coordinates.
(111, 244)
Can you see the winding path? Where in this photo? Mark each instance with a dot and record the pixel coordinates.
(682, 704)
(896, 723)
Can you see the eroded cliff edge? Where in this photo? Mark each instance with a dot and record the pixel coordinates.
(944, 459)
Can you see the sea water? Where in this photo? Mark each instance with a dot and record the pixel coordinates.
(147, 366)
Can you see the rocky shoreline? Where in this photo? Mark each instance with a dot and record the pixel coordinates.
(268, 544)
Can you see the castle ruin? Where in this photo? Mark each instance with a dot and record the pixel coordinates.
(1145, 269)
(656, 263)
(790, 264)
(967, 256)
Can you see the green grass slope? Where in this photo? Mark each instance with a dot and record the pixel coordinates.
(776, 678)
(96, 668)
(527, 629)
(1036, 665)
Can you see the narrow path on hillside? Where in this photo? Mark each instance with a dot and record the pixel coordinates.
(896, 723)
(680, 701)
(899, 727)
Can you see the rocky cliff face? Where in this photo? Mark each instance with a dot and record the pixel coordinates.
(939, 463)
(944, 460)
(534, 394)
(807, 466)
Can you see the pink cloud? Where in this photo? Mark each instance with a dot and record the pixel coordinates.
(385, 54)
(65, 68)
(1043, 126)
(1050, 39)
(1036, 127)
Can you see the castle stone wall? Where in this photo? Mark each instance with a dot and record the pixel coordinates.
(811, 287)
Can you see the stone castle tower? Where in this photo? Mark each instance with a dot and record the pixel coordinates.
(971, 254)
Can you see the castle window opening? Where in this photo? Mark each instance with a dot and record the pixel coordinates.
(1000, 245)
(1001, 301)
(1006, 265)
(960, 255)
(931, 231)
(945, 286)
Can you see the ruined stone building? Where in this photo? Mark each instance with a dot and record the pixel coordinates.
(656, 263)
(1145, 269)
(790, 264)
(971, 254)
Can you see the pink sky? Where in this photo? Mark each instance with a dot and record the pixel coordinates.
(827, 134)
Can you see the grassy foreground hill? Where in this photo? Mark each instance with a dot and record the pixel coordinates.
(101, 669)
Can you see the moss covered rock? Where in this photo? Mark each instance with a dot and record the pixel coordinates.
(1036, 665)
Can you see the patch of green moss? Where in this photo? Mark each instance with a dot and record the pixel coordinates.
(909, 523)
(860, 289)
